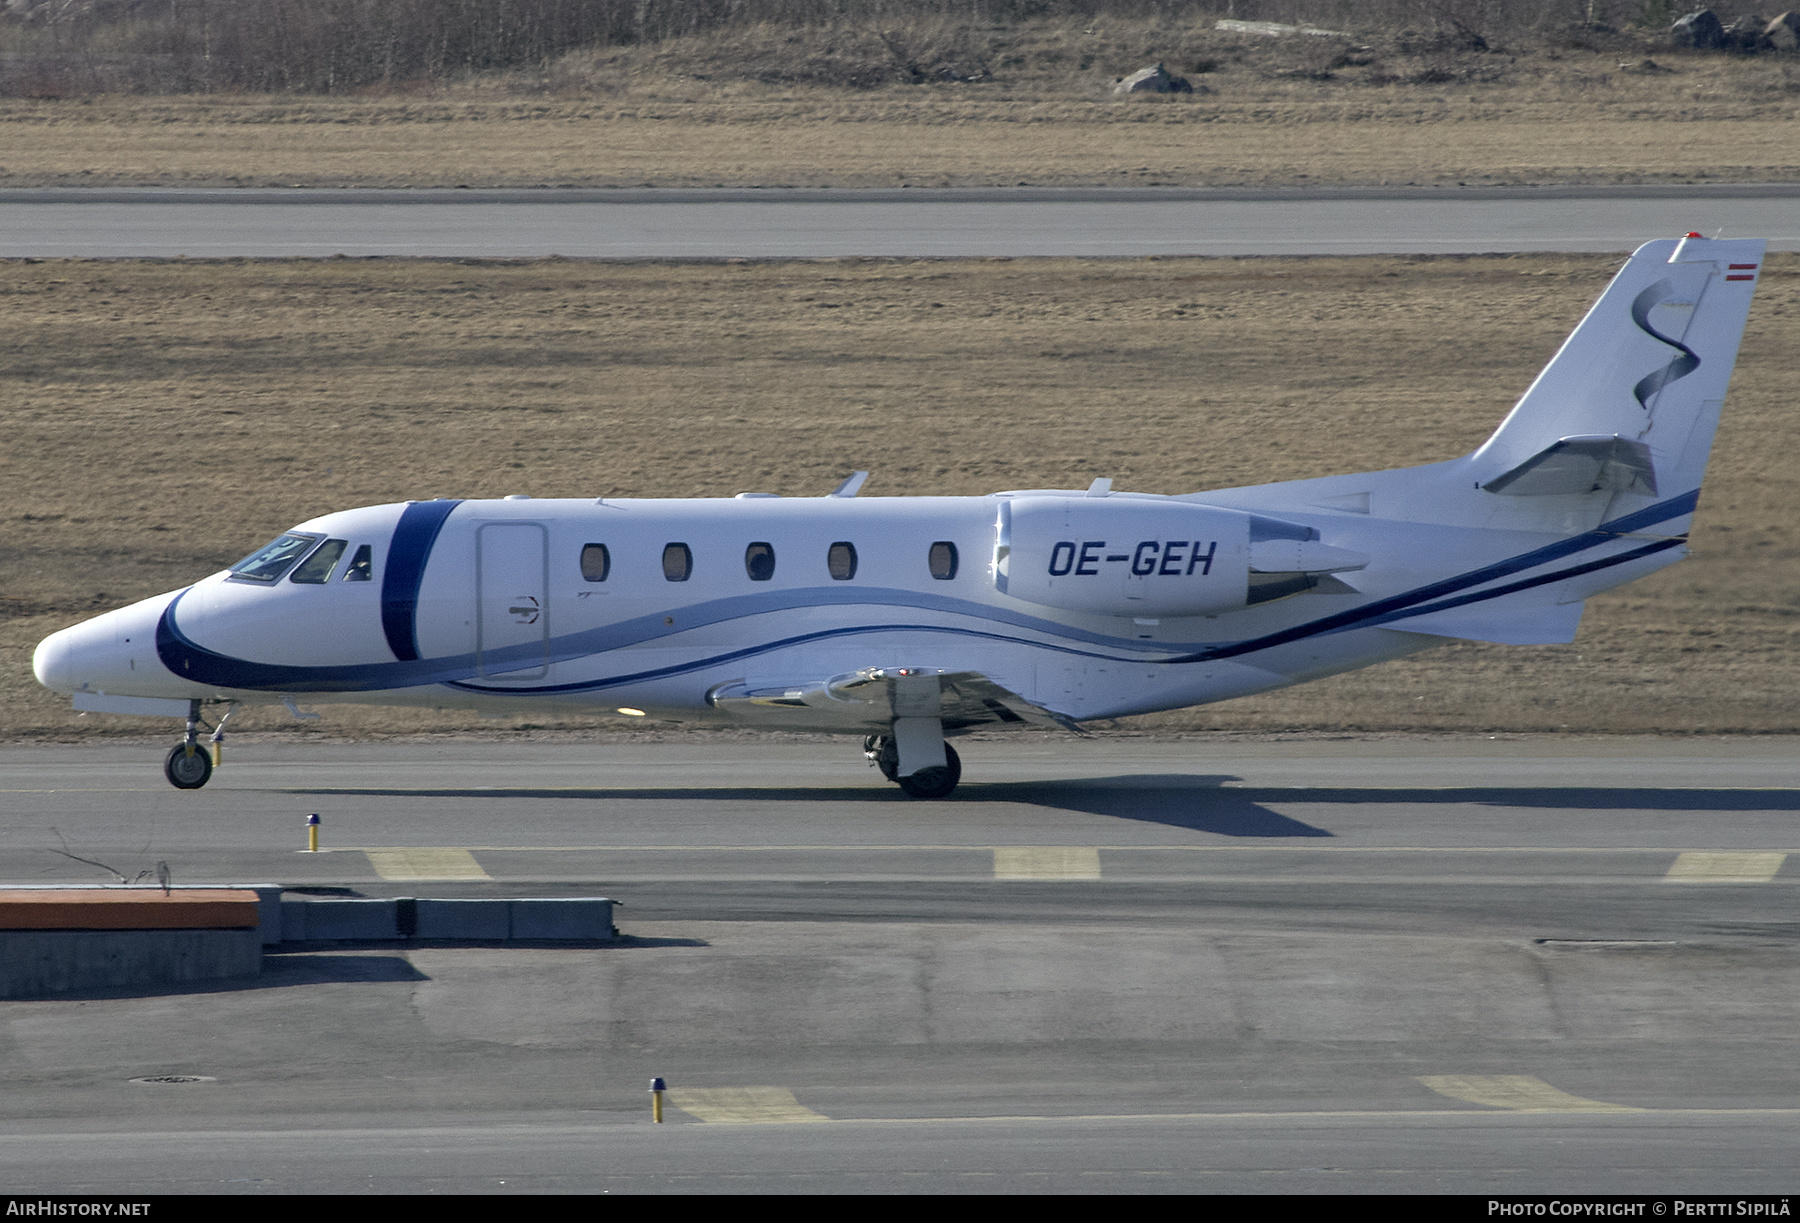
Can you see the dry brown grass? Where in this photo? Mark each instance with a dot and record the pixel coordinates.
(163, 418)
(767, 106)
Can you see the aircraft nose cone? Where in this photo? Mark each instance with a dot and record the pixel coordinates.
(113, 653)
(50, 662)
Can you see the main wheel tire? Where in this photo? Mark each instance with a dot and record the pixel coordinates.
(934, 783)
(188, 770)
(885, 753)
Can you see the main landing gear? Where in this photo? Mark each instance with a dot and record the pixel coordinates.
(189, 765)
(931, 782)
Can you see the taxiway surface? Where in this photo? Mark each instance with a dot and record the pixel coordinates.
(928, 223)
(1478, 965)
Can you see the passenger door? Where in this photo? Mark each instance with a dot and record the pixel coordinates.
(512, 601)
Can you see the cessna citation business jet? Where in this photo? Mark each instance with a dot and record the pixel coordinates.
(907, 620)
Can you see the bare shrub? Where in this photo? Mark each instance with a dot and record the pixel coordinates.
(64, 47)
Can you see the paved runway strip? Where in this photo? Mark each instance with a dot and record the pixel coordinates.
(690, 224)
(1493, 866)
(1484, 1151)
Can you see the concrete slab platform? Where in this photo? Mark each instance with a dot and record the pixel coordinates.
(1285, 947)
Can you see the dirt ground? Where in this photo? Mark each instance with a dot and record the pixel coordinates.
(161, 419)
(868, 143)
(772, 107)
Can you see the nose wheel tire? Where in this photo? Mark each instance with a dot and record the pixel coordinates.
(189, 766)
(934, 783)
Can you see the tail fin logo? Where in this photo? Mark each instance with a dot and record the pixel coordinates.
(1677, 369)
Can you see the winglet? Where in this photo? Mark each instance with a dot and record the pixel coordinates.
(850, 487)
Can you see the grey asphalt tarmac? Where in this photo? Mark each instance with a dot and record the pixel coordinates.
(1019, 222)
(1110, 965)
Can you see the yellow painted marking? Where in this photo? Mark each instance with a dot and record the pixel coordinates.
(742, 1105)
(1696, 867)
(1046, 862)
(1521, 1093)
(418, 865)
(1445, 1114)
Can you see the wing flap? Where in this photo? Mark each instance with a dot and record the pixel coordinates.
(875, 696)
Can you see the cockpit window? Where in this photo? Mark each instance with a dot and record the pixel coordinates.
(268, 563)
(316, 569)
(361, 568)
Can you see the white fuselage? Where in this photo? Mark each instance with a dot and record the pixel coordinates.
(486, 604)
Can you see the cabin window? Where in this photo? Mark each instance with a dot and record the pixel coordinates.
(759, 562)
(840, 561)
(678, 562)
(943, 560)
(274, 559)
(361, 567)
(316, 569)
(596, 562)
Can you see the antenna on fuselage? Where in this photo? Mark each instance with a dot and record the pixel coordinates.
(850, 487)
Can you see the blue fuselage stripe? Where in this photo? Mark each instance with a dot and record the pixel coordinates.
(1398, 607)
(404, 571)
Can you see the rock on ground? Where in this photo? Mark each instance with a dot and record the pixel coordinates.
(1700, 30)
(1154, 79)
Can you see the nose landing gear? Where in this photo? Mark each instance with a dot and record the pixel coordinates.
(188, 765)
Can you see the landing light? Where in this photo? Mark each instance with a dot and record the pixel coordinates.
(633, 713)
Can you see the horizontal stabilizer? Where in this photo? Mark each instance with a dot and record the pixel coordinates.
(1576, 465)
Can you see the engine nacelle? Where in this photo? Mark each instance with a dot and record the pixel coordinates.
(1148, 558)
(1123, 557)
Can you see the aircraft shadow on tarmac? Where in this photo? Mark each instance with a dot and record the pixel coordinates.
(1200, 802)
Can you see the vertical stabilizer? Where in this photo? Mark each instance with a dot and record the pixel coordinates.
(1627, 408)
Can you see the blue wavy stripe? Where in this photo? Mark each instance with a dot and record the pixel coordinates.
(857, 630)
(189, 659)
(1546, 579)
(1229, 651)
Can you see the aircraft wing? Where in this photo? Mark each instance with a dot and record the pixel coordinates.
(875, 696)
